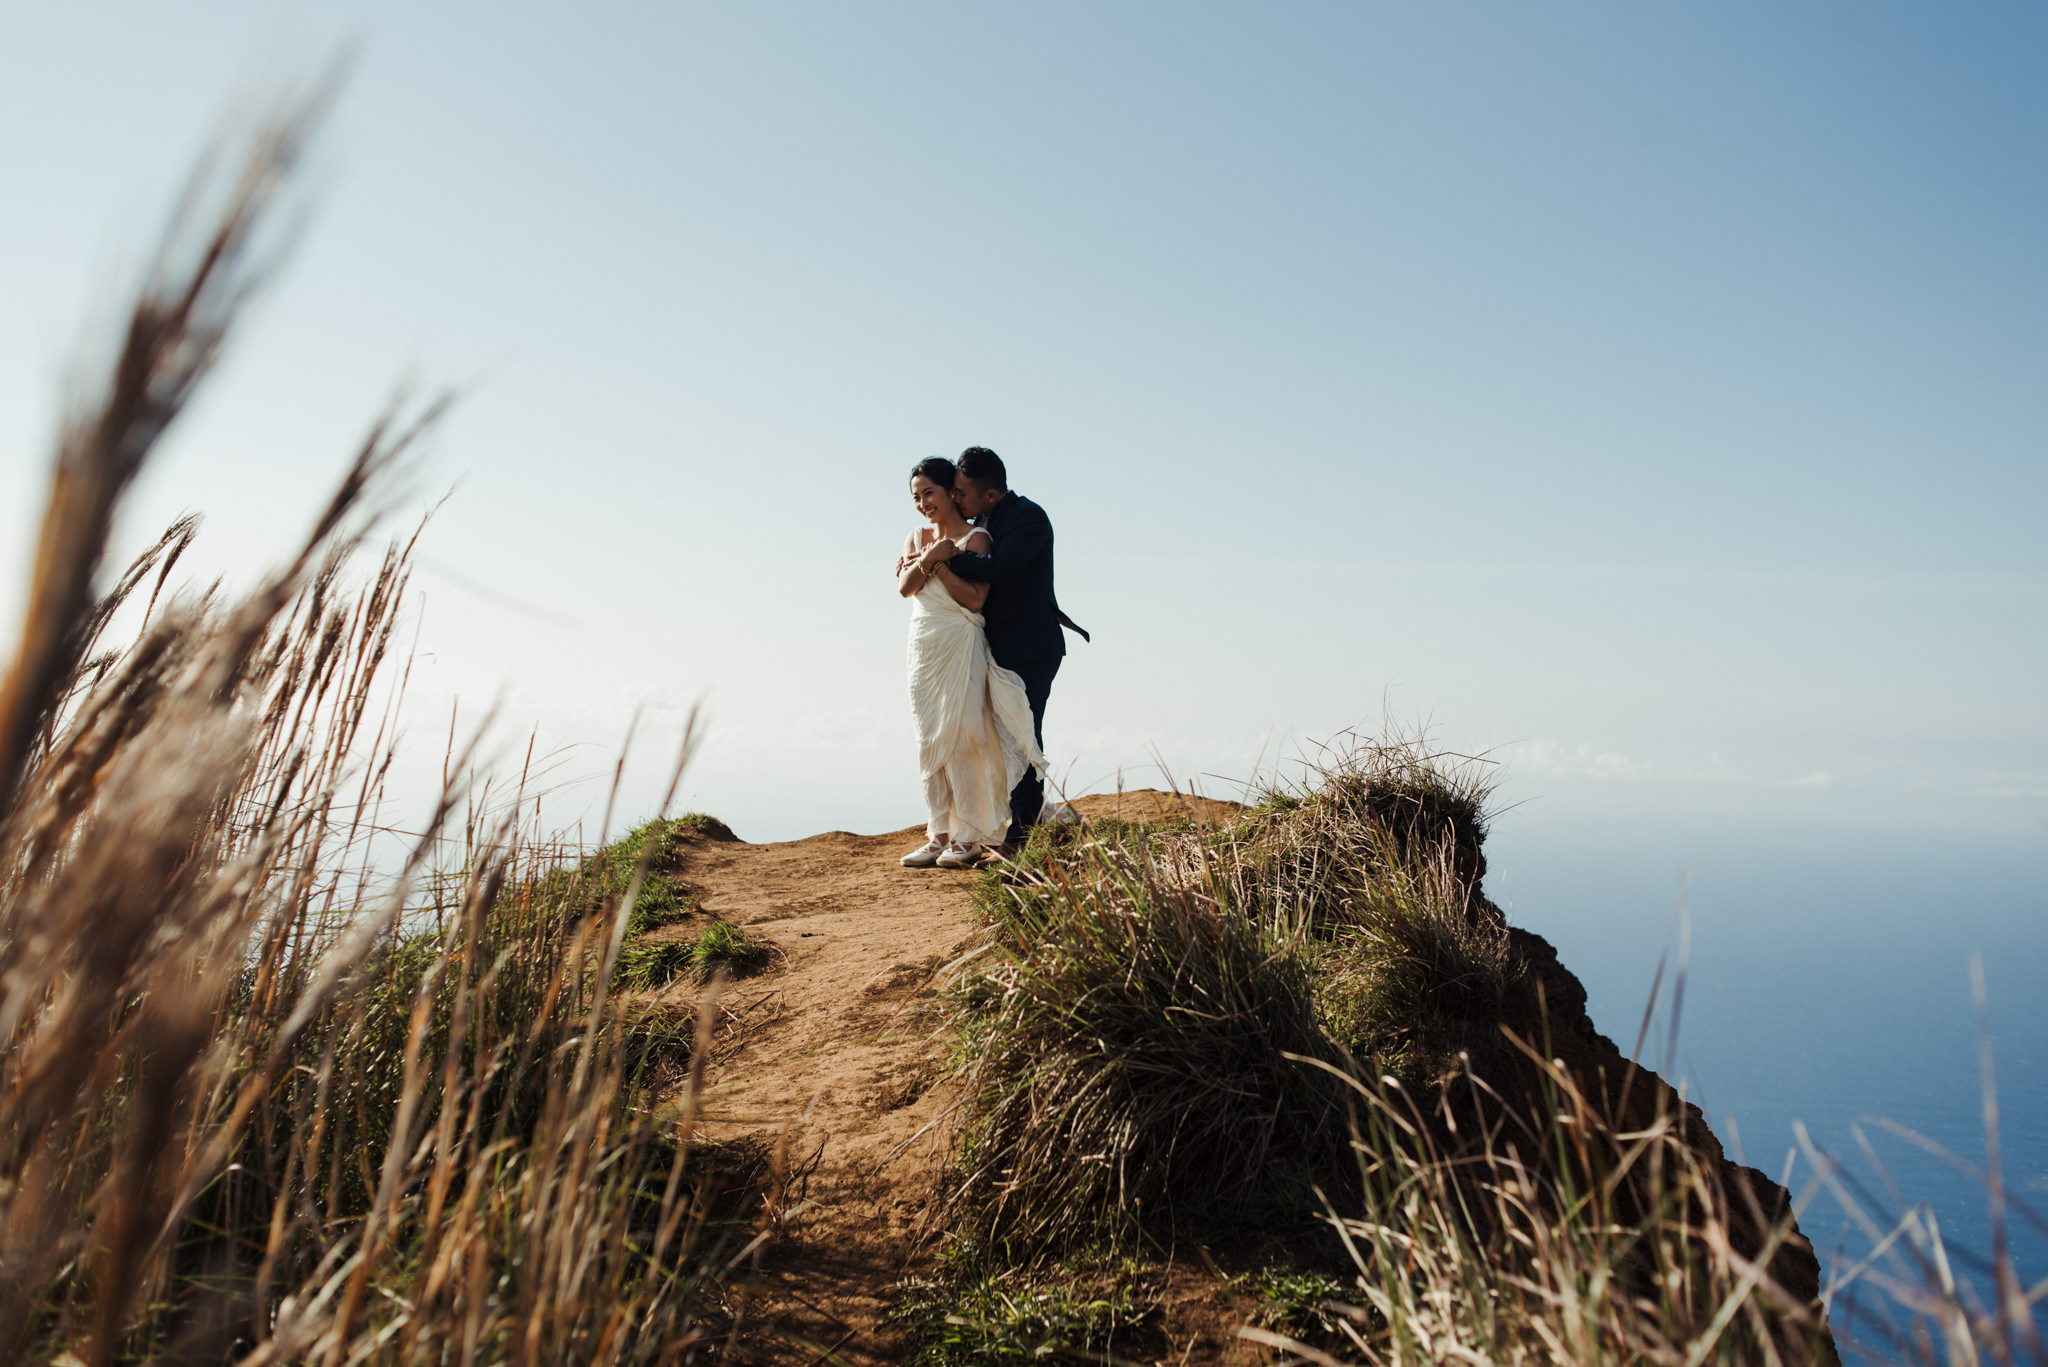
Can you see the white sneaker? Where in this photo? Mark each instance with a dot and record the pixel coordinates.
(958, 856)
(925, 855)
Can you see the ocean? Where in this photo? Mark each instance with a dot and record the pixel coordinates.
(1827, 981)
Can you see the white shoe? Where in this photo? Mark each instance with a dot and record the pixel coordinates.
(958, 856)
(924, 856)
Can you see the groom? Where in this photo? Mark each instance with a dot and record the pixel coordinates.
(1022, 616)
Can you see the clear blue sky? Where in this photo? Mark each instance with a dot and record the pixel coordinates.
(1656, 393)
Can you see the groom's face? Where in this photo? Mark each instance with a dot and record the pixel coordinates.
(972, 498)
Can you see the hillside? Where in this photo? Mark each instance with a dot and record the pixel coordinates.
(828, 1077)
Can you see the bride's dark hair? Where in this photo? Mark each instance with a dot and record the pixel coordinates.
(937, 469)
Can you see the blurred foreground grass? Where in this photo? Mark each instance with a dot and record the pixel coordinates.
(259, 1101)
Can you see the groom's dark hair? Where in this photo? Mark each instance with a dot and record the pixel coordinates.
(984, 467)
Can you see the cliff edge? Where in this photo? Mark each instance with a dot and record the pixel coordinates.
(828, 1074)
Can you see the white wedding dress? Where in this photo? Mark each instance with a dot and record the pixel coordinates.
(974, 738)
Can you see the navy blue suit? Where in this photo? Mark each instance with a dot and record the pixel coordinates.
(1022, 615)
(1023, 621)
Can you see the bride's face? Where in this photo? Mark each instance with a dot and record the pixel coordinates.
(931, 500)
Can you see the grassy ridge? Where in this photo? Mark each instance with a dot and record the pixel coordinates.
(1185, 1029)
(1185, 1034)
(651, 854)
(1134, 1044)
(1140, 1031)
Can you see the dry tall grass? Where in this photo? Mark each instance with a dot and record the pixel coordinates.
(1130, 1046)
(256, 1102)
(1129, 1051)
(1371, 870)
(1183, 1027)
(1553, 1234)
(1507, 1186)
(1560, 1236)
(1909, 1296)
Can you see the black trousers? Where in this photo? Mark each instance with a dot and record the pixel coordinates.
(1029, 795)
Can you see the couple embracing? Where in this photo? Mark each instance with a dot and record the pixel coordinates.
(985, 643)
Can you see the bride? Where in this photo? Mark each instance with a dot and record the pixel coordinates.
(974, 735)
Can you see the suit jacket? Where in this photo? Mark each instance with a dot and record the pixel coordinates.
(1022, 615)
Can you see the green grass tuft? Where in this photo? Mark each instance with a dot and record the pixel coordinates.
(660, 903)
(698, 823)
(1297, 1303)
(1002, 1318)
(723, 945)
(604, 877)
(645, 966)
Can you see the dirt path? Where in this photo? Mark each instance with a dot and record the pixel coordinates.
(835, 1061)
(835, 1066)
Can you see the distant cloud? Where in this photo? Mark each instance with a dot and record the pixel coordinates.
(2010, 783)
(1579, 761)
(1582, 760)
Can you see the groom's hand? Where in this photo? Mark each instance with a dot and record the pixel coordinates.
(938, 553)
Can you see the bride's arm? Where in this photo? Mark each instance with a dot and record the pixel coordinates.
(913, 570)
(966, 592)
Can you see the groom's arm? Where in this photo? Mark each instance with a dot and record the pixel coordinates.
(1016, 548)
